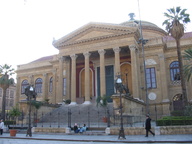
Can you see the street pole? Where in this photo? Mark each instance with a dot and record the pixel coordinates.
(120, 89)
(29, 92)
(29, 133)
(121, 131)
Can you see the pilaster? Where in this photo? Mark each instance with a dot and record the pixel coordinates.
(45, 86)
(18, 91)
(164, 84)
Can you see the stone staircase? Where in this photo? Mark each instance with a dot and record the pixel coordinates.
(68, 115)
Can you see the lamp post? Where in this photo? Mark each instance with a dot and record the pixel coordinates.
(120, 89)
(29, 92)
(126, 75)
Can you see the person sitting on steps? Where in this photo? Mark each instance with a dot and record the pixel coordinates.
(83, 129)
(75, 128)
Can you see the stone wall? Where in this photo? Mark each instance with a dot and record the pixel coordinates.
(131, 106)
(163, 130)
(49, 130)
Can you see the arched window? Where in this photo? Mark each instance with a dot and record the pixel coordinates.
(51, 84)
(24, 84)
(174, 71)
(38, 85)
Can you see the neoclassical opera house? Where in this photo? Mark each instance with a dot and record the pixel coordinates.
(90, 58)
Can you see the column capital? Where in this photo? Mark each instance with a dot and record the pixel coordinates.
(45, 74)
(54, 71)
(30, 76)
(62, 58)
(161, 56)
(101, 52)
(73, 56)
(132, 47)
(86, 54)
(116, 49)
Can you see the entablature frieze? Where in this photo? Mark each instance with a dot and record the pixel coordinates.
(96, 46)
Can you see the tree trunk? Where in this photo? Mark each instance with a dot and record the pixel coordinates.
(183, 85)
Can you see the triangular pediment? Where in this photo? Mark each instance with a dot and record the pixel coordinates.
(93, 31)
(94, 34)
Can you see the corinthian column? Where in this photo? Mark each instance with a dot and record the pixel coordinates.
(60, 85)
(53, 100)
(87, 78)
(134, 69)
(102, 73)
(73, 79)
(117, 59)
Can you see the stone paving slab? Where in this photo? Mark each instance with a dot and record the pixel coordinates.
(103, 138)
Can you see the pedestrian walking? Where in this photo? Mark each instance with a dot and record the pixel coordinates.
(1, 127)
(148, 126)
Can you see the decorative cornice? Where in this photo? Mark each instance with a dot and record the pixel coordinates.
(96, 27)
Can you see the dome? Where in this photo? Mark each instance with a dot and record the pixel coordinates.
(145, 25)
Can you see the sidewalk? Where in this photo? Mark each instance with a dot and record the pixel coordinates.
(103, 138)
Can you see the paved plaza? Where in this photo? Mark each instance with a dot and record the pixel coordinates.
(53, 138)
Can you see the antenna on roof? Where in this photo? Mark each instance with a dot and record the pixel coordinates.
(143, 41)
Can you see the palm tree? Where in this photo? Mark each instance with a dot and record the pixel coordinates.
(188, 67)
(177, 18)
(5, 82)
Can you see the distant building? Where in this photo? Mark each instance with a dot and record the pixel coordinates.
(90, 58)
(10, 97)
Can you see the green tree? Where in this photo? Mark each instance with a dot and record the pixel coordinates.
(5, 82)
(188, 67)
(175, 26)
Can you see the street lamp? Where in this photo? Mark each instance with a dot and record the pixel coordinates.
(30, 93)
(126, 75)
(119, 87)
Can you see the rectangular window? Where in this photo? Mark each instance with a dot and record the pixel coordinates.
(64, 86)
(151, 78)
(11, 94)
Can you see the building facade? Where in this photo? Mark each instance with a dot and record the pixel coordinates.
(10, 97)
(92, 56)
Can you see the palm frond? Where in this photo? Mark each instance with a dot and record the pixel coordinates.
(178, 9)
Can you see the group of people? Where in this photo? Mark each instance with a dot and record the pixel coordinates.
(77, 129)
(1, 127)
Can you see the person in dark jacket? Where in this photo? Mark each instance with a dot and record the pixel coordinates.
(148, 126)
(75, 128)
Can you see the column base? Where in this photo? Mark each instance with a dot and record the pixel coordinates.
(87, 102)
(73, 103)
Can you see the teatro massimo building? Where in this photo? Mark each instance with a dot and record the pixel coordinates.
(90, 58)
